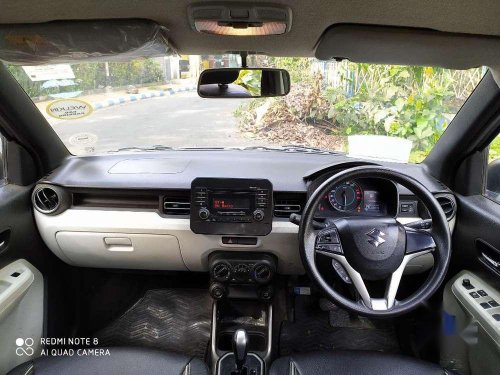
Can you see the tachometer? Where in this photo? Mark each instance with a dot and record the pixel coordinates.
(346, 196)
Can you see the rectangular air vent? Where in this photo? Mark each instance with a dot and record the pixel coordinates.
(177, 203)
(115, 199)
(286, 204)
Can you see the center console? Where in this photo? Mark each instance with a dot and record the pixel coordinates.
(235, 206)
(241, 285)
(238, 210)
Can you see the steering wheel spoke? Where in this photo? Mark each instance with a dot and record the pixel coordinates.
(392, 283)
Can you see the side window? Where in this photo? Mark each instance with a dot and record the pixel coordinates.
(493, 174)
(3, 162)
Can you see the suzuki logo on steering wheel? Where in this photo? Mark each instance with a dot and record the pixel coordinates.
(376, 237)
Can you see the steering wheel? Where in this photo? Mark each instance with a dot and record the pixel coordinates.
(374, 248)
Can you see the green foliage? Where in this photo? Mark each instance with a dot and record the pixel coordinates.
(250, 80)
(31, 88)
(297, 67)
(91, 76)
(342, 99)
(494, 149)
(403, 101)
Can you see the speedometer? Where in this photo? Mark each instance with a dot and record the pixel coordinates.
(346, 196)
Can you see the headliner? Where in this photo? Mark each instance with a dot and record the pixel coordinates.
(309, 20)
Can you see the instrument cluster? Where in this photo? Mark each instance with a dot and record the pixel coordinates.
(367, 197)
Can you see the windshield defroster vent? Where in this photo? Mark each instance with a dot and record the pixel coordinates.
(177, 203)
(287, 204)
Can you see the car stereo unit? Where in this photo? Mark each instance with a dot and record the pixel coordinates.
(231, 206)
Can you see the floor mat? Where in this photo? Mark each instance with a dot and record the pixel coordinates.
(315, 329)
(176, 320)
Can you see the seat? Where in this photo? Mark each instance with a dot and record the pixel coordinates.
(121, 361)
(353, 362)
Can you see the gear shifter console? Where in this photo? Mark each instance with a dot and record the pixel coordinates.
(240, 362)
(240, 350)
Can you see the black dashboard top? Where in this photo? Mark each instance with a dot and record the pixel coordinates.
(177, 169)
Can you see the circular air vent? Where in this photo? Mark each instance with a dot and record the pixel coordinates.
(448, 205)
(46, 199)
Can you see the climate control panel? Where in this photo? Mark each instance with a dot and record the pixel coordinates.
(243, 269)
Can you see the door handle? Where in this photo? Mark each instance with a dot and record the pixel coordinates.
(4, 240)
(491, 261)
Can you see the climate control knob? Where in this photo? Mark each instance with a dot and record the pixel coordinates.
(203, 214)
(258, 215)
(221, 271)
(262, 273)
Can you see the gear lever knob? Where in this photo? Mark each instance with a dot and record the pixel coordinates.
(240, 348)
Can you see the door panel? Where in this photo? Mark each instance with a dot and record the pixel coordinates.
(476, 238)
(22, 295)
(21, 314)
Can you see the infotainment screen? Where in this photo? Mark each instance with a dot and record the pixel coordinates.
(237, 206)
(222, 202)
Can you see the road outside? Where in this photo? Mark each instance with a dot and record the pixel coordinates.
(181, 120)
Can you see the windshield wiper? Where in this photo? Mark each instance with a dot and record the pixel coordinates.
(149, 148)
(314, 150)
(292, 148)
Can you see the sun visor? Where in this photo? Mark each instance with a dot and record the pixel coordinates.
(82, 41)
(406, 46)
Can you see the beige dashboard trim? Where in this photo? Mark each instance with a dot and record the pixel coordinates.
(194, 248)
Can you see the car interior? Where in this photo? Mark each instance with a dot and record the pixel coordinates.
(204, 257)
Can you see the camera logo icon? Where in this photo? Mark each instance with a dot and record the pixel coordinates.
(25, 346)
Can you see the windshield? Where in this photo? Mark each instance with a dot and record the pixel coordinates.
(376, 111)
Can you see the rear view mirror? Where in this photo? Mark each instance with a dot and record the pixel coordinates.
(243, 83)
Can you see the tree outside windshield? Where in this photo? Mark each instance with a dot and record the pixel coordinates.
(376, 111)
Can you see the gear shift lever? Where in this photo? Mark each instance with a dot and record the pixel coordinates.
(240, 349)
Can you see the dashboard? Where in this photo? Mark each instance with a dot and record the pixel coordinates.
(142, 211)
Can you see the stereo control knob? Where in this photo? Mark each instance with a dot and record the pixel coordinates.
(258, 215)
(203, 213)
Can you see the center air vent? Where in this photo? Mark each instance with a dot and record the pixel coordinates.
(287, 204)
(46, 200)
(177, 204)
(448, 205)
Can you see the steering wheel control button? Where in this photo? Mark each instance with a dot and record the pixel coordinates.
(328, 241)
(482, 293)
(417, 240)
(329, 236)
(335, 249)
(474, 295)
(467, 284)
(339, 268)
